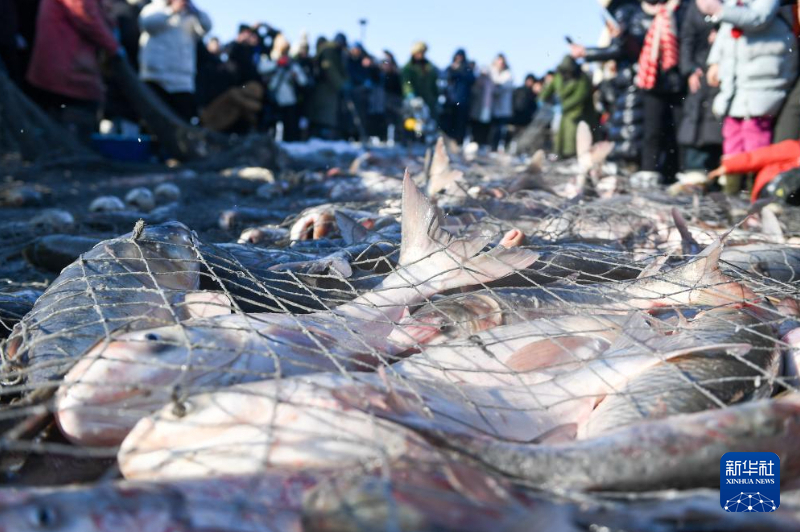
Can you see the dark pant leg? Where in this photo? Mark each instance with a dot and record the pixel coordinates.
(182, 104)
(660, 149)
(290, 116)
(10, 61)
(460, 121)
(480, 132)
(788, 125)
(653, 118)
(498, 131)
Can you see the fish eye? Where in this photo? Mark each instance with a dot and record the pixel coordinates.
(151, 337)
(43, 517)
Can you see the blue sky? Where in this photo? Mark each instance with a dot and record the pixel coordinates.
(531, 33)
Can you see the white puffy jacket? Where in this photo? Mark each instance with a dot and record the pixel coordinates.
(757, 69)
(168, 43)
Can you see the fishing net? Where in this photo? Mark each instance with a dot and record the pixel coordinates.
(413, 367)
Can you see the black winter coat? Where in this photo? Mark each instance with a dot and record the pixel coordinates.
(619, 95)
(699, 127)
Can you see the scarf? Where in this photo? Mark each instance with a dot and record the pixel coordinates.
(660, 50)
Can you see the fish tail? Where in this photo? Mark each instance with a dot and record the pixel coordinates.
(432, 254)
(441, 176)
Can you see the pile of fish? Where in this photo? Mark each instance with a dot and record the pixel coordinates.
(525, 341)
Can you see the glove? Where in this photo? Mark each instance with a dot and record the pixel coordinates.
(709, 7)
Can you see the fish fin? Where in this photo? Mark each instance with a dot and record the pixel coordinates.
(537, 162)
(334, 262)
(705, 267)
(635, 331)
(358, 163)
(560, 434)
(705, 282)
(473, 483)
(654, 267)
(440, 175)
(206, 304)
(689, 245)
(583, 143)
(428, 248)
(421, 225)
(394, 400)
(734, 350)
(352, 231)
(569, 280)
(770, 225)
(600, 152)
(548, 353)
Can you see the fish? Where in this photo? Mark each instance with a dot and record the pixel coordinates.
(120, 380)
(53, 253)
(14, 305)
(700, 282)
(311, 424)
(268, 502)
(437, 497)
(512, 385)
(678, 452)
(571, 397)
(132, 281)
(694, 383)
(777, 260)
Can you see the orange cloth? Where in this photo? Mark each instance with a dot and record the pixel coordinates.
(768, 161)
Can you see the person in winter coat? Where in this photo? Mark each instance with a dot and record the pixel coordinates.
(168, 51)
(524, 103)
(419, 78)
(65, 68)
(787, 127)
(459, 78)
(658, 76)
(700, 132)
(768, 162)
(502, 104)
(244, 54)
(9, 39)
(754, 60)
(480, 109)
(332, 80)
(285, 80)
(620, 96)
(574, 90)
(393, 86)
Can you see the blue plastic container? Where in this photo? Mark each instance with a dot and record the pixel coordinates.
(120, 148)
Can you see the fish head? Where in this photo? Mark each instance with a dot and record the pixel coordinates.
(121, 380)
(171, 254)
(439, 322)
(87, 510)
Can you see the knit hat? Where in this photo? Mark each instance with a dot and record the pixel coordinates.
(419, 48)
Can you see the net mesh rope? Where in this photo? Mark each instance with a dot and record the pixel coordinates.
(281, 407)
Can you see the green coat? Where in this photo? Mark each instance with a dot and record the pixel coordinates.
(419, 79)
(575, 96)
(333, 75)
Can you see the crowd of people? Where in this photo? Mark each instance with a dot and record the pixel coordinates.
(677, 85)
(55, 50)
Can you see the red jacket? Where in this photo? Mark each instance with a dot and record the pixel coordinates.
(768, 161)
(69, 34)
